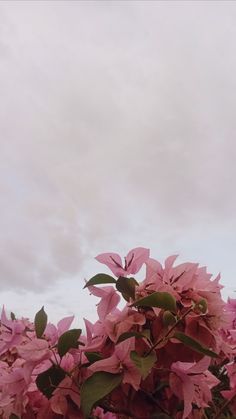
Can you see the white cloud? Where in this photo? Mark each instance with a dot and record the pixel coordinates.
(117, 129)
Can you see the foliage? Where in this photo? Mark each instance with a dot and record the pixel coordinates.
(169, 353)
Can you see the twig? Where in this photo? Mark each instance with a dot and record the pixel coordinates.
(169, 331)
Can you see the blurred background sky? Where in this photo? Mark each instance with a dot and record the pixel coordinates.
(117, 130)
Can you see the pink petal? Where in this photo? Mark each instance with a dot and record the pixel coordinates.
(170, 261)
(136, 258)
(123, 349)
(200, 366)
(64, 324)
(108, 303)
(89, 330)
(36, 350)
(97, 291)
(112, 261)
(132, 376)
(188, 392)
(110, 364)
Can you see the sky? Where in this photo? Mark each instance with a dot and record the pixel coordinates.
(117, 130)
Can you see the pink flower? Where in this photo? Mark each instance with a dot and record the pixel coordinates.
(96, 335)
(13, 381)
(120, 322)
(11, 332)
(120, 362)
(133, 261)
(53, 333)
(59, 401)
(192, 383)
(99, 413)
(36, 350)
(231, 394)
(109, 300)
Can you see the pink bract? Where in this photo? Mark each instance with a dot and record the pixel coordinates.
(174, 356)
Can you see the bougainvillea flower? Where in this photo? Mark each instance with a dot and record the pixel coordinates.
(59, 401)
(36, 350)
(120, 362)
(53, 332)
(133, 261)
(11, 332)
(192, 382)
(109, 300)
(120, 322)
(99, 413)
(179, 377)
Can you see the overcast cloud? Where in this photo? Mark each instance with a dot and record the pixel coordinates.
(118, 125)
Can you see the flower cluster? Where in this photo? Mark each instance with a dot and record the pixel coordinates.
(168, 353)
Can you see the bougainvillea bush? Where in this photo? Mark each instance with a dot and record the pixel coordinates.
(168, 353)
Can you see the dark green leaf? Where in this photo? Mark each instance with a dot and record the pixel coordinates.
(40, 322)
(201, 306)
(48, 380)
(68, 340)
(13, 317)
(13, 416)
(144, 364)
(93, 356)
(99, 385)
(162, 300)
(168, 318)
(127, 287)
(100, 279)
(160, 386)
(194, 344)
(127, 335)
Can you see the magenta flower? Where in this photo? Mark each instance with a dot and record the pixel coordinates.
(53, 333)
(120, 362)
(192, 383)
(109, 300)
(133, 261)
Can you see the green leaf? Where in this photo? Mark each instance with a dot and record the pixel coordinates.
(13, 416)
(100, 279)
(93, 356)
(143, 363)
(201, 306)
(13, 317)
(99, 385)
(127, 287)
(162, 300)
(127, 335)
(68, 340)
(168, 318)
(48, 380)
(40, 322)
(194, 344)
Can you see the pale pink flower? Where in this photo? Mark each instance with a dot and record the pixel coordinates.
(36, 350)
(59, 400)
(11, 332)
(120, 362)
(109, 300)
(122, 321)
(53, 332)
(96, 336)
(231, 394)
(192, 383)
(133, 261)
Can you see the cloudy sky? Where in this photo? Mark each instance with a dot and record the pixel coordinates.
(118, 129)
